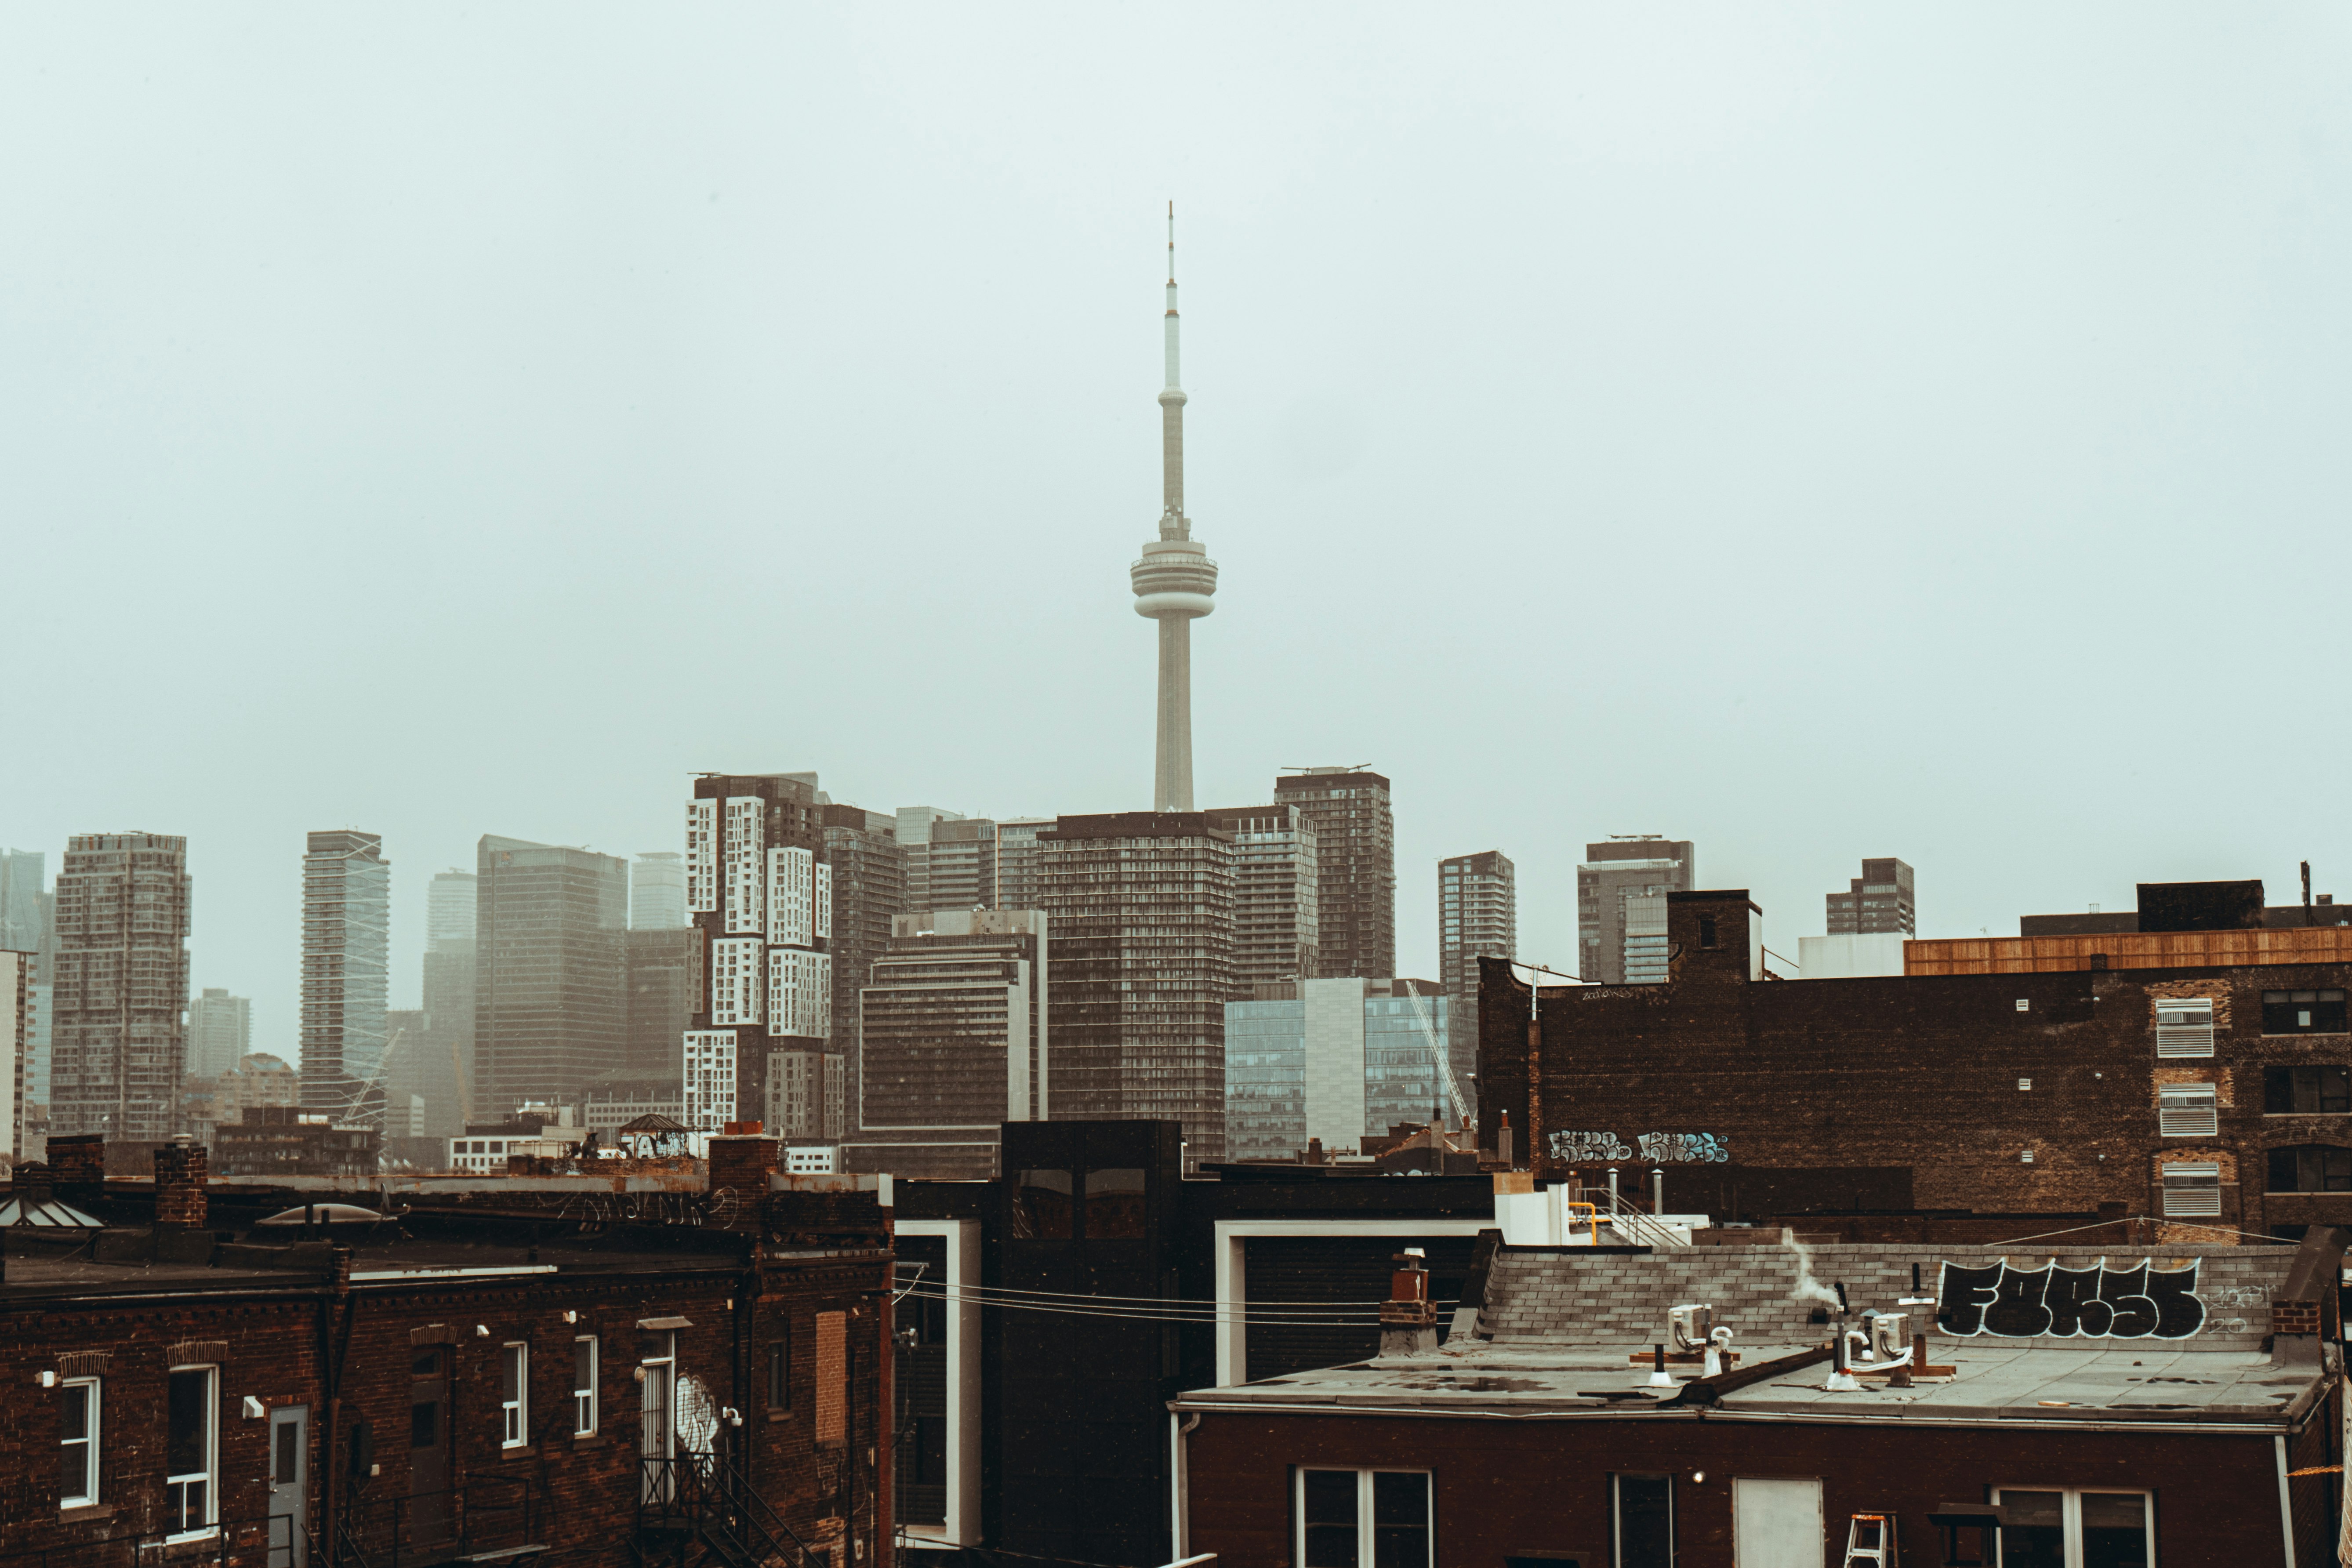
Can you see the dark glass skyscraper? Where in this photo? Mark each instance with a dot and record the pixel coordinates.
(1141, 905)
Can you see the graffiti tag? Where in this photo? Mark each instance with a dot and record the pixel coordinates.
(2134, 1303)
(1656, 1148)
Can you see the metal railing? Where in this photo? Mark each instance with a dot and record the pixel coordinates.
(487, 1516)
(702, 1495)
(1635, 1224)
(247, 1537)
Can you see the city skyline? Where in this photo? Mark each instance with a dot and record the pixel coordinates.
(1790, 325)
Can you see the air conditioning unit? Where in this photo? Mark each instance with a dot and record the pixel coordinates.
(2192, 1189)
(1890, 1334)
(2186, 1111)
(2184, 1026)
(1688, 1326)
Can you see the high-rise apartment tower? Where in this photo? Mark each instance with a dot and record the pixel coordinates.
(346, 957)
(1477, 913)
(220, 1033)
(118, 1033)
(1355, 848)
(1174, 583)
(757, 886)
(1621, 907)
(1278, 929)
(1879, 903)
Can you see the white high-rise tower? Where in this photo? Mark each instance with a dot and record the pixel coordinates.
(1173, 582)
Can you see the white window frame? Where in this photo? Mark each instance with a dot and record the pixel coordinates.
(2180, 1114)
(584, 1405)
(2071, 1516)
(1363, 1506)
(515, 1414)
(87, 1496)
(209, 1475)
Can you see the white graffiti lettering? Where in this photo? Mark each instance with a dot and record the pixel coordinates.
(1656, 1148)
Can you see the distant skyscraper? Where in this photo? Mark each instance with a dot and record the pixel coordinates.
(24, 901)
(220, 1033)
(914, 825)
(406, 1033)
(449, 905)
(663, 974)
(346, 961)
(762, 897)
(1879, 903)
(1477, 912)
(549, 1009)
(119, 1037)
(808, 1096)
(1276, 928)
(657, 892)
(440, 1066)
(1141, 905)
(1621, 906)
(962, 864)
(15, 1043)
(1017, 860)
(869, 891)
(955, 1037)
(1174, 583)
(1355, 847)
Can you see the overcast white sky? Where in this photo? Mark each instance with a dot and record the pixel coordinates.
(1818, 431)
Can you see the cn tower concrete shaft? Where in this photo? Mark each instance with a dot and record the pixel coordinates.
(1174, 582)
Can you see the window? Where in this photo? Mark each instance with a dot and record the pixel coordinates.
(188, 1449)
(2311, 1168)
(2186, 1111)
(2304, 1012)
(2192, 1189)
(1706, 930)
(2076, 1528)
(1339, 1512)
(583, 1385)
(514, 1394)
(780, 1373)
(2184, 1026)
(78, 1444)
(1114, 1204)
(2307, 1091)
(1041, 1206)
(1641, 1521)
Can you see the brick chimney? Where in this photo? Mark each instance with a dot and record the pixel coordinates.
(78, 1164)
(182, 1167)
(742, 1164)
(1408, 1319)
(32, 1183)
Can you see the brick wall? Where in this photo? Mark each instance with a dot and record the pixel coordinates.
(1535, 1295)
(180, 1177)
(1945, 1074)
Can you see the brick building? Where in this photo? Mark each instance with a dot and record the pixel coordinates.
(2203, 1076)
(512, 1370)
(2176, 1410)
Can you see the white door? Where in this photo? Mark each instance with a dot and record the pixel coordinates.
(1776, 1522)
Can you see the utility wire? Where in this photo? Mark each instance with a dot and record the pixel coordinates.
(1163, 1303)
(1257, 1320)
(1155, 1300)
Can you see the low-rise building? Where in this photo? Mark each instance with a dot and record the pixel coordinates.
(1616, 1405)
(278, 1141)
(248, 1374)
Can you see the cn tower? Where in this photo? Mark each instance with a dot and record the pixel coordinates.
(1173, 583)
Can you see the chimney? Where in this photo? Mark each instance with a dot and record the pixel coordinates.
(1314, 1155)
(31, 1184)
(741, 1165)
(181, 1169)
(78, 1164)
(1408, 1320)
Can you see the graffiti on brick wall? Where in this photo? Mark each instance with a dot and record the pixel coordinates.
(2135, 1303)
(1656, 1148)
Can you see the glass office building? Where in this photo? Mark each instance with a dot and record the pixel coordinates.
(1335, 1060)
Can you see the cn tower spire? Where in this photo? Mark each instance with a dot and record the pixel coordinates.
(1173, 582)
